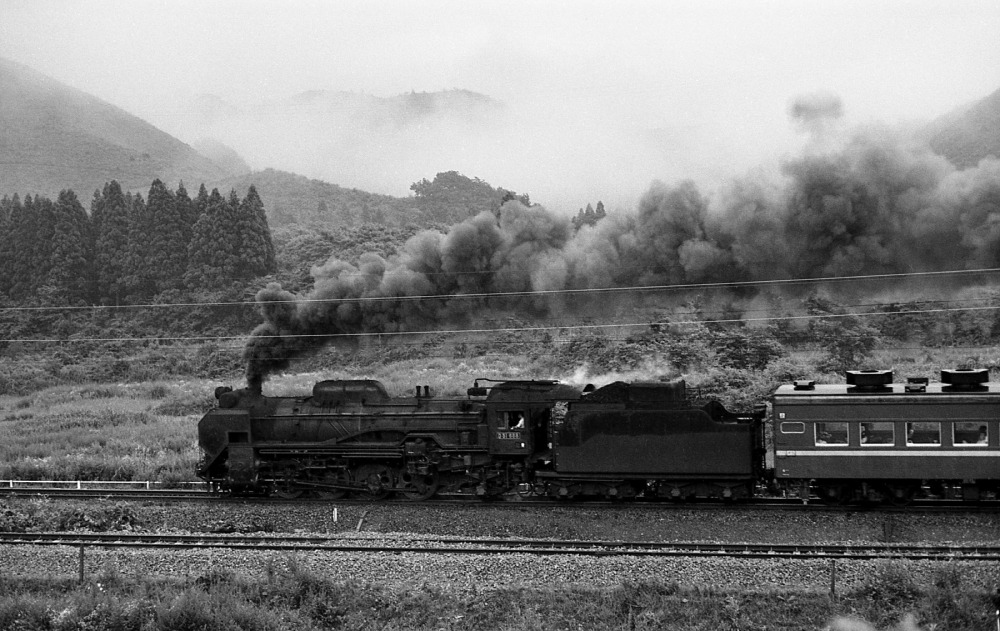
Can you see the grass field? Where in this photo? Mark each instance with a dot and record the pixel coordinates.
(291, 598)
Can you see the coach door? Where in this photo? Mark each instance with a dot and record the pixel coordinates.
(510, 431)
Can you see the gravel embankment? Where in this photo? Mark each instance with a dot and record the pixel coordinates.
(404, 569)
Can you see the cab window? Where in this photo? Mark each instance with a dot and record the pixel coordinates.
(970, 434)
(923, 433)
(512, 420)
(831, 433)
(877, 434)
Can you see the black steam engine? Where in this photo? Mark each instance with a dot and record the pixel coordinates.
(868, 440)
(537, 437)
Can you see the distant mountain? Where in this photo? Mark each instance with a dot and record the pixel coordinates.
(53, 137)
(968, 134)
(222, 155)
(374, 143)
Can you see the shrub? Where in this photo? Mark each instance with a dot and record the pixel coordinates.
(748, 348)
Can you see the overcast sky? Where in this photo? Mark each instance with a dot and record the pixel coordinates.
(721, 72)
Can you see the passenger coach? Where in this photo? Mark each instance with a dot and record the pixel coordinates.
(872, 439)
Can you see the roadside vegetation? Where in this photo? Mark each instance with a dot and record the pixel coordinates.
(290, 597)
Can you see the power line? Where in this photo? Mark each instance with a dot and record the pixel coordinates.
(543, 292)
(393, 334)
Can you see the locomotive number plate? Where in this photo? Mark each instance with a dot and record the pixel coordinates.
(508, 435)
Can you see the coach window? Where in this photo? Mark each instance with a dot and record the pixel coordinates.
(923, 433)
(970, 434)
(789, 427)
(877, 434)
(831, 433)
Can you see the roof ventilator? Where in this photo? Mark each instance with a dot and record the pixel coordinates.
(869, 380)
(965, 380)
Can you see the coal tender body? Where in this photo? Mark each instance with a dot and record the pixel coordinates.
(647, 439)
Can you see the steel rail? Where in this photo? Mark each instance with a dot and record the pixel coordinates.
(426, 545)
(759, 503)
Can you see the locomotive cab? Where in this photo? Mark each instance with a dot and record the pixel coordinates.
(519, 415)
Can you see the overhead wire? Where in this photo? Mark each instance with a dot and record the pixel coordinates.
(509, 329)
(528, 293)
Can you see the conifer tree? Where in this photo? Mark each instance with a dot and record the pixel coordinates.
(139, 283)
(111, 254)
(69, 276)
(188, 213)
(19, 231)
(12, 214)
(166, 258)
(33, 246)
(255, 245)
(213, 252)
(201, 203)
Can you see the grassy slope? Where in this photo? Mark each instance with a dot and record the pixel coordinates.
(54, 137)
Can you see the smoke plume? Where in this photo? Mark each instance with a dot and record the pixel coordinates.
(876, 203)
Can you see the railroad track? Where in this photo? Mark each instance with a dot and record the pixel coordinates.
(763, 503)
(456, 546)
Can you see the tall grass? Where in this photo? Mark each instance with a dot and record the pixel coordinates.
(292, 598)
(103, 432)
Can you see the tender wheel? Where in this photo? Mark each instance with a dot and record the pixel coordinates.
(333, 477)
(377, 480)
(285, 488)
(419, 487)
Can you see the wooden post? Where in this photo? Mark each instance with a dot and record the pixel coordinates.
(833, 579)
(81, 562)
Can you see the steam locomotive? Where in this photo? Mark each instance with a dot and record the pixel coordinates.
(869, 439)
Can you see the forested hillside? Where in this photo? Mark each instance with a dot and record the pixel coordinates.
(293, 199)
(970, 134)
(53, 137)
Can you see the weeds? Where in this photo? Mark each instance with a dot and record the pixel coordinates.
(294, 598)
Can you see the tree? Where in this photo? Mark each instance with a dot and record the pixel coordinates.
(848, 341)
(111, 253)
(31, 234)
(453, 197)
(747, 348)
(213, 254)
(11, 213)
(69, 273)
(139, 283)
(589, 217)
(186, 209)
(255, 245)
(167, 255)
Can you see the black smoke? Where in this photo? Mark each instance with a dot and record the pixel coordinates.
(870, 202)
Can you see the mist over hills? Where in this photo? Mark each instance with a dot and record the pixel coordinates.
(968, 134)
(352, 139)
(54, 137)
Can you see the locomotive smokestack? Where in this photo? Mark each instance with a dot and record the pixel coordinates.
(255, 383)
